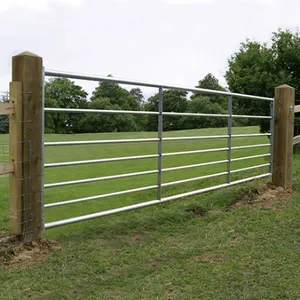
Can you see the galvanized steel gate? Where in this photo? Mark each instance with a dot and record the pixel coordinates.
(160, 154)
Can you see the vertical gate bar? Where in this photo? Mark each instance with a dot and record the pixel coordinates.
(228, 179)
(159, 145)
(43, 153)
(272, 104)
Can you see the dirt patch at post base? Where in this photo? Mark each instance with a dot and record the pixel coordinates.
(265, 196)
(14, 254)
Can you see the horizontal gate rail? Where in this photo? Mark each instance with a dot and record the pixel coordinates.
(251, 157)
(136, 112)
(208, 137)
(146, 188)
(100, 111)
(194, 152)
(96, 161)
(104, 178)
(122, 141)
(250, 146)
(251, 117)
(193, 179)
(149, 203)
(147, 84)
(224, 136)
(165, 113)
(195, 166)
(250, 168)
(126, 158)
(215, 115)
(250, 135)
(100, 142)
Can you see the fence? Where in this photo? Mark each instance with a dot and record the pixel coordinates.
(27, 159)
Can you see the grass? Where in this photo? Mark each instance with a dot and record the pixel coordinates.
(71, 153)
(162, 252)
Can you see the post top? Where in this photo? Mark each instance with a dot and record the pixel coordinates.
(284, 86)
(27, 53)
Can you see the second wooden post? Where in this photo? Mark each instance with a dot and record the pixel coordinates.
(283, 136)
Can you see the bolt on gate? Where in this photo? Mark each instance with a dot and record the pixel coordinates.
(30, 91)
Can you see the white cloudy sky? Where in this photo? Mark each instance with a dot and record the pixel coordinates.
(165, 41)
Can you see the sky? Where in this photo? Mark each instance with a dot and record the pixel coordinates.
(174, 42)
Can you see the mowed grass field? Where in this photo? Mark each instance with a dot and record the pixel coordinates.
(87, 152)
(161, 252)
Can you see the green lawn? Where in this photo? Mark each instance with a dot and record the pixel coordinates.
(73, 153)
(162, 252)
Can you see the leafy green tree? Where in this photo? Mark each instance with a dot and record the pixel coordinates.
(138, 94)
(257, 69)
(64, 93)
(116, 95)
(142, 119)
(107, 122)
(203, 104)
(110, 96)
(210, 82)
(173, 101)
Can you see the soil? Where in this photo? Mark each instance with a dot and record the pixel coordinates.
(14, 254)
(266, 196)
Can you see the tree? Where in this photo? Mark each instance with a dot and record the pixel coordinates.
(138, 94)
(210, 82)
(64, 93)
(173, 101)
(107, 122)
(110, 96)
(257, 69)
(203, 104)
(142, 119)
(117, 95)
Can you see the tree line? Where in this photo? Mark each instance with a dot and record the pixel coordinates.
(62, 92)
(256, 69)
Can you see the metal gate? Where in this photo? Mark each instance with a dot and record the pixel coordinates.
(160, 154)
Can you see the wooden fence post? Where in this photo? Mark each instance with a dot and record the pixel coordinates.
(27, 68)
(283, 136)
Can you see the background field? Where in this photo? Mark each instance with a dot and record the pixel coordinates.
(73, 153)
(163, 252)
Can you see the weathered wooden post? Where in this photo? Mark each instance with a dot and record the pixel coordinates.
(283, 136)
(26, 136)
